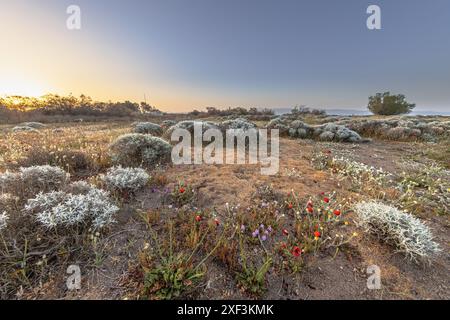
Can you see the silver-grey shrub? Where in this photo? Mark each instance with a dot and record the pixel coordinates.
(58, 209)
(324, 132)
(125, 179)
(402, 230)
(79, 187)
(280, 123)
(137, 149)
(43, 178)
(31, 180)
(239, 123)
(189, 125)
(10, 182)
(24, 129)
(34, 125)
(148, 128)
(168, 123)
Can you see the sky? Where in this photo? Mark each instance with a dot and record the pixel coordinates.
(186, 54)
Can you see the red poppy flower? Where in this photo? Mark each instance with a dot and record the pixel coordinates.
(322, 193)
(182, 190)
(290, 206)
(285, 232)
(217, 222)
(310, 210)
(326, 199)
(198, 218)
(317, 234)
(310, 203)
(337, 212)
(296, 251)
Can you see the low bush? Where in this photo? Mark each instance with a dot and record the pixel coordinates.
(189, 125)
(32, 180)
(125, 180)
(52, 230)
(399, 128)
(239, 123)
(168, 123)
(140, 150)
(64, 210)
(407, 233)
(73, 161)
(323, 132)
(43, 178)
(24, 129)
(34, 125)
(148, 128)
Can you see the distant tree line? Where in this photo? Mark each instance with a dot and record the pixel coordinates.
(237, 111)
(303, 110)
(17, 108)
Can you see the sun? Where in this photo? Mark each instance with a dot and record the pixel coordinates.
(20, 87)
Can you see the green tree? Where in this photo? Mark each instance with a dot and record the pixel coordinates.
(386, 104)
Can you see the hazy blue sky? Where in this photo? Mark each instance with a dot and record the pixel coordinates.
(196, 53)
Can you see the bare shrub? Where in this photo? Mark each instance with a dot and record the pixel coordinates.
(71, 160)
